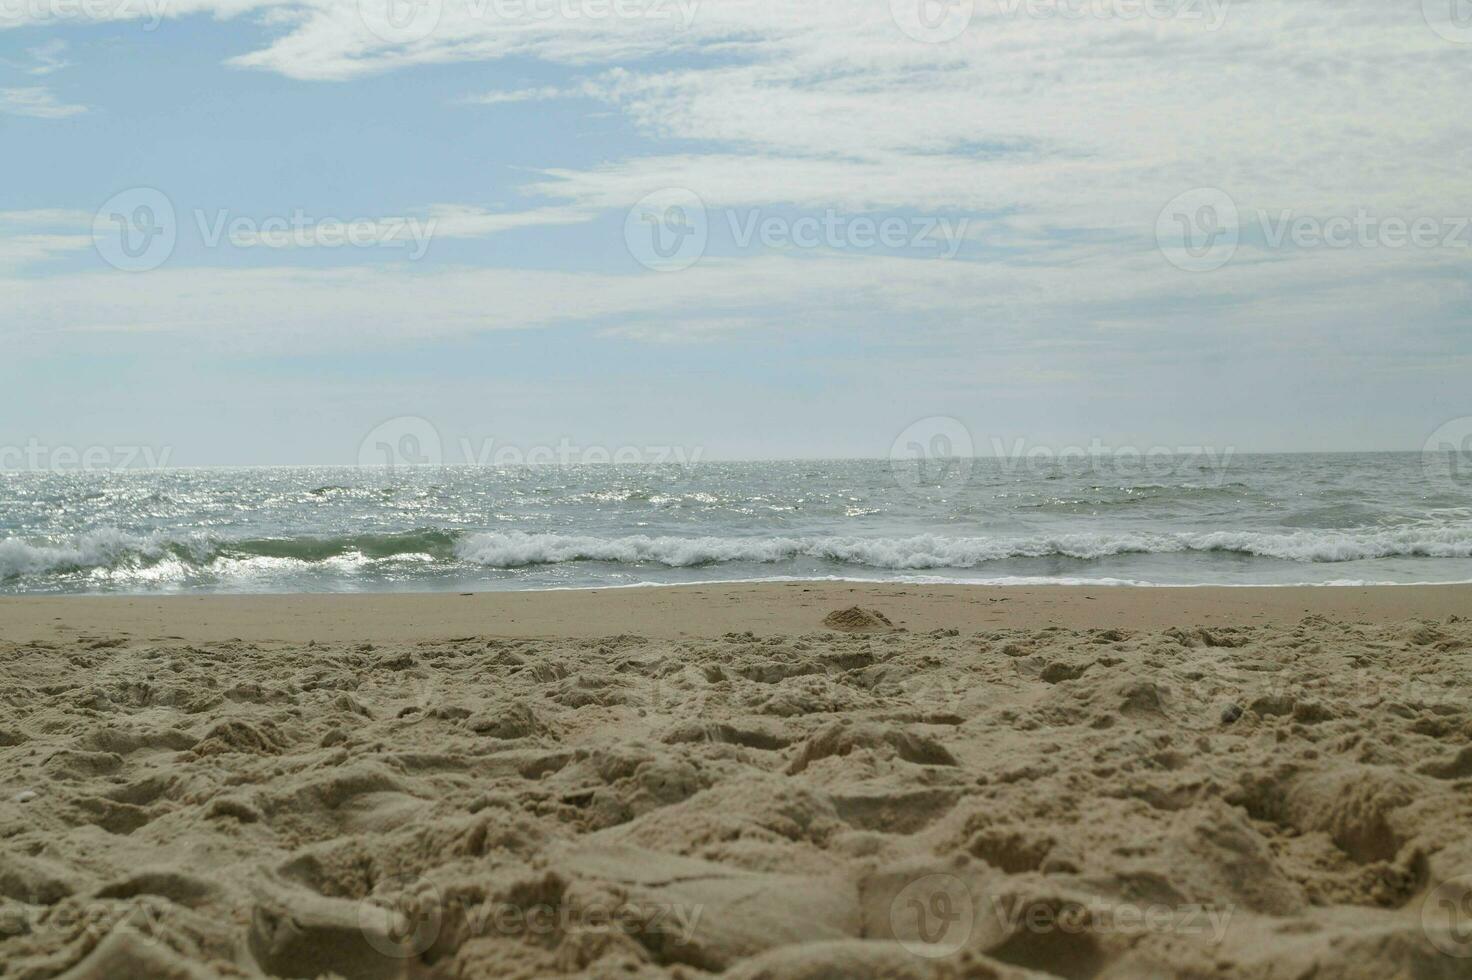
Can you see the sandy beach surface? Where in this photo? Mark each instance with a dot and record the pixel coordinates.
(782, 781)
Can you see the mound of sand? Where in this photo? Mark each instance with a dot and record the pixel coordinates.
(857, 620)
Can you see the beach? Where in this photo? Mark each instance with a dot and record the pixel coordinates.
(765, 780)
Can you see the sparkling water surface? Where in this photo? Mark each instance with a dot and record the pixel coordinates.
(1264, 519)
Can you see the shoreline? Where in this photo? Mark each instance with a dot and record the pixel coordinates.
(767, 608)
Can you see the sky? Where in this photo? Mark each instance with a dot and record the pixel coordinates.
(269, 231)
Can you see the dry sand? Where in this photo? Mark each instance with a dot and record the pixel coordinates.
(794, 781)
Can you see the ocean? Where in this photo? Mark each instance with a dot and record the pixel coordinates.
(1320, 519)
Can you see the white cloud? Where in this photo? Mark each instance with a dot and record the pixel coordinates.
(413, 232)
(542, 94)
(1112, 305)
(1088, 124)
(1064, 137)
(42, 217)
(25, 250)
(1071, 123)
(31, 237)
(48, 57)
(36, 102)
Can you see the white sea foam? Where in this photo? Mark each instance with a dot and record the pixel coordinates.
(518, 549)
(95, 549)
(119, 555)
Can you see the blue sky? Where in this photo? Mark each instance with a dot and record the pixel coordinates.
(501, 164)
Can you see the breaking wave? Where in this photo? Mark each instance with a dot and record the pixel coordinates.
(513, 550)
(110, 549)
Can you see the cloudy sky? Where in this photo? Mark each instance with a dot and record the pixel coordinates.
(253, 230)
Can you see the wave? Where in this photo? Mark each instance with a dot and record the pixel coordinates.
(112, 549)
(519, 549)
(96, 549)
(109, 549)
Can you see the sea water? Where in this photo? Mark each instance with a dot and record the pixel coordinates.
(1239, 520)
